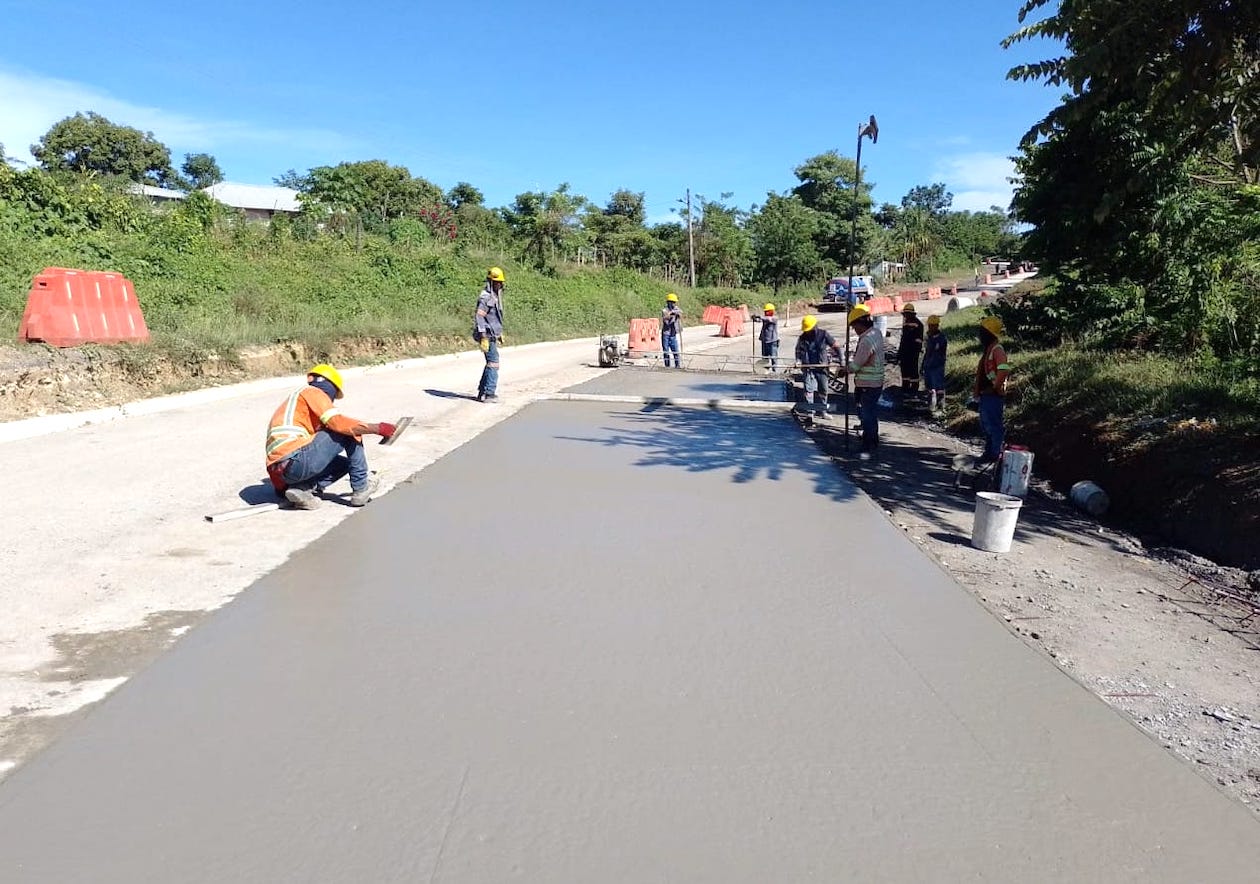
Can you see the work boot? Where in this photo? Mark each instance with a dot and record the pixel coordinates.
(301, 498)
(360, 498)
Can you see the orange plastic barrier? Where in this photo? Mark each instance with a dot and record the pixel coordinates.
(732, 324)
(66, 308)
(744, 314)
(879, 305)
(953, 290)
(712, 314)
(645, 336)
(897, 303)
(934, 293)
(909, 295)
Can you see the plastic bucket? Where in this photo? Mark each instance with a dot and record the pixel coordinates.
(994, 527)
(1016, 471)
(1090, 498)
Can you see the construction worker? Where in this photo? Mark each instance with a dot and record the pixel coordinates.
(990, 387)
(488, 332)
(311, 444)
(867, 370)
(770, 336)
(671, 329)
(910, 350)
(934, 354)
(812, 350)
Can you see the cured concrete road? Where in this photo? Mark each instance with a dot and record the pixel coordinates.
(602, 643)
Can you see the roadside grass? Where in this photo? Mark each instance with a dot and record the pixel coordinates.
(1075, 386)
(230, 289)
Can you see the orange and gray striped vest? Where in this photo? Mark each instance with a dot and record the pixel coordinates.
(297, 421)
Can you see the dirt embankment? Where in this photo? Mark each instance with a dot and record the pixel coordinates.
(36, 380)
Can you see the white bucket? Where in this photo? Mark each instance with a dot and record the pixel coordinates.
(1016, 471)
(994, 525)
(1090, 498)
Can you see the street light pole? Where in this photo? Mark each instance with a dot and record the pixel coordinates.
(870, 128)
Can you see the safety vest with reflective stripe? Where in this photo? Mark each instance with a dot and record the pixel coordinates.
(991, 362)
(868, 359)
(297, 421)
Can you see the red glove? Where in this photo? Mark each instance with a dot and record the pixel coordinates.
(385, 430)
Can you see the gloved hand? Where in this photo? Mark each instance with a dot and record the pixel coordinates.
(973, 404)
(385, 429)
(502, 340)
(485, 344)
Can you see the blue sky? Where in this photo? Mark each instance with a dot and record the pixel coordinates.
(513, 96)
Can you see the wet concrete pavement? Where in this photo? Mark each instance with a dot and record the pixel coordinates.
(603, 643)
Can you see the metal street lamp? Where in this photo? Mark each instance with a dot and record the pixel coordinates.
(870, 128)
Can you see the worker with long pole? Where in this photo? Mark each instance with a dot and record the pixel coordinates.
(870, 128)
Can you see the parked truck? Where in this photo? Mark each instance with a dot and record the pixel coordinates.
(836, 295)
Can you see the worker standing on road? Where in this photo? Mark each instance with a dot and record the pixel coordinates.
(990, 387)
(488, 332)
(770, 336)
(813, 348)
(934, 355)
(910, 350)
(311, 444)
(671, 329)
(867, 369)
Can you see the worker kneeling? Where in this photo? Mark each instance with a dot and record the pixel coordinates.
(311, 444)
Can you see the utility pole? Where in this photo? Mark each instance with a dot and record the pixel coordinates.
(691, 242)
(864, 129)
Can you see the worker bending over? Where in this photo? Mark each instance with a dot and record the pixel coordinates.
(311, 444)
(813, 349)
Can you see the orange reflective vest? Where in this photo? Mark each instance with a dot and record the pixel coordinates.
(299, 418)
(992, 361)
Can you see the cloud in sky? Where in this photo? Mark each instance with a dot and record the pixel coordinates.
(977, 180)
(32, 103)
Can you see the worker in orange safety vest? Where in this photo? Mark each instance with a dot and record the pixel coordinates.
(311, 444)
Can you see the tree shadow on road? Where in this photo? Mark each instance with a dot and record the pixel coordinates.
(751, 447)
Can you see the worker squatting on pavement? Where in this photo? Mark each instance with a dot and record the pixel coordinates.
(769, 336)
(910, 350)
(311, 444)
(671, 330)
(812, 350)
(935, 351)
(867, 369)
(488, 332)
(990, 387)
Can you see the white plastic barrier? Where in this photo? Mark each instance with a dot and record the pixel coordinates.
(996, 516)
(959, 303)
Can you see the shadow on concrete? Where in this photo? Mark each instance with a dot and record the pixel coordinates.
(261, 492)
(753, 447)
(448, 394)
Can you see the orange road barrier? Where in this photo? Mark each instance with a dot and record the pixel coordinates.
(66, 308)
(645, 336)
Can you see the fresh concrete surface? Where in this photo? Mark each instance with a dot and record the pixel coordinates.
(106, 551)
(604, 644)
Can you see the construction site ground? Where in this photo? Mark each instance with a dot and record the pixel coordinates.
(610, 640)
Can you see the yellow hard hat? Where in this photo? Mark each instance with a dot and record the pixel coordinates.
(324, 370)
(907, 308)
(495, 274)
(808, 322)
(672, 298)
(993, 325)
(861, 311)
(769, 308)
(934, 320)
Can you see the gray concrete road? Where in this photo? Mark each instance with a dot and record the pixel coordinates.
(599, 643)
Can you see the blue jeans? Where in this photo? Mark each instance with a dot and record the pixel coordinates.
(868, 414)
(771, 349)
(669, 343)
(934, 378)
(815, 380)
(324, 460)
(490, 374)
(992, 423)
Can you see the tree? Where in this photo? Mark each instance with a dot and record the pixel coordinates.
(201, 170)
(546, 225)
(723, 246)
(291, 179)
(931, 198)
(626, 204)
(827, 186)
(464, 194)
(91, 143)
(783, 241)
(372, 191)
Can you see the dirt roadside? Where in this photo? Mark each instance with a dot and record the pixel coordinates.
(1143, 629)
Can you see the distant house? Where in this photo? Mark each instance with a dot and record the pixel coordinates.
(258, 201)
(156, 195)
